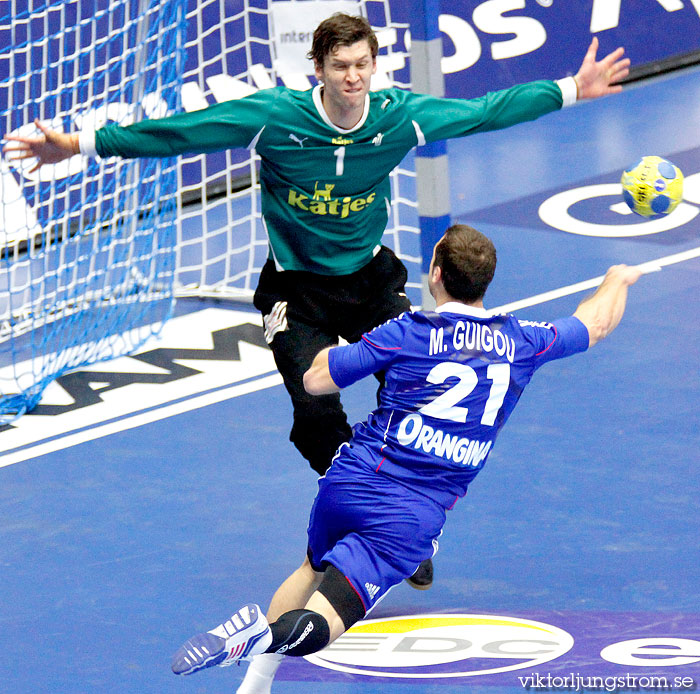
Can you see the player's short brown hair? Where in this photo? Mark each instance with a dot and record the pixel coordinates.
(467, 259)
(341, 30)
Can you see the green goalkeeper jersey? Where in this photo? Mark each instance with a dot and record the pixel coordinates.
(325, 191)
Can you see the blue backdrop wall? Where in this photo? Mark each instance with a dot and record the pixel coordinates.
(497, 43)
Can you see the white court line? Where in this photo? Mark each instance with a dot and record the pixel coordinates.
(140, 419)
(651, 266)
(275, 379)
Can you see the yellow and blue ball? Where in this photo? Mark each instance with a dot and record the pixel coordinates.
(653, 187)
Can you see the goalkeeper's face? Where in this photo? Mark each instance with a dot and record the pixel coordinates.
(346, 74)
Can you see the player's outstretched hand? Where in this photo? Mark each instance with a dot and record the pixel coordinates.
(598, 78)
(601, 313)
(50, 148)
(624, 274)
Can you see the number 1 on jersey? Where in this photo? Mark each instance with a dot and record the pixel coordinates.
(499, 374)
(339, 161)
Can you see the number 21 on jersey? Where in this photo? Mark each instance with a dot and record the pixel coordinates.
(445, 405)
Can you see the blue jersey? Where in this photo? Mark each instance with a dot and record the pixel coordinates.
(453, 376)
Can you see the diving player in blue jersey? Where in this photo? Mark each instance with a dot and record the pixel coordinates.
(325, 160)
(453, 377)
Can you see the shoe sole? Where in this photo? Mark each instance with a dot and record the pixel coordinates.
(213, 648)
(186, 660)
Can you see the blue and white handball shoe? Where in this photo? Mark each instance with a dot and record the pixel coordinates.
(244, 635)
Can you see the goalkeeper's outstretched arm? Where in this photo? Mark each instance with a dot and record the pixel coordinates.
(211, 132)
(230, 124)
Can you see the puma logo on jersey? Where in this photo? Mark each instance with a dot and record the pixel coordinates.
(372, 590)
(378, 139)
(294, 138)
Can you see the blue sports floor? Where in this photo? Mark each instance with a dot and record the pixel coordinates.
(575, 554)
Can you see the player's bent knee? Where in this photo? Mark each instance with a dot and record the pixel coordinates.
(299, 633)
(310, 574)
(336, 588)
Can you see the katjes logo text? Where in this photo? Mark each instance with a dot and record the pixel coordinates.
(322, 203)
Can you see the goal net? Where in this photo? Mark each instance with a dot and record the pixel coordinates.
(93, 252)
(87, 248)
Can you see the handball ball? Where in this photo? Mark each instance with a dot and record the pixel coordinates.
(653, 187)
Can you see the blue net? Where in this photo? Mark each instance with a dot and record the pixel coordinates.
(87, 247)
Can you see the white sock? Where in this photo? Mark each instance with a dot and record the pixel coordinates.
(260, 673)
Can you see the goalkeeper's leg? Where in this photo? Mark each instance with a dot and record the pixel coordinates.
(320, 424)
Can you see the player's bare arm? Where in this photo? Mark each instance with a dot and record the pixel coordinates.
(602, 312)
(317, 380)
(49, 148)
(599, 78)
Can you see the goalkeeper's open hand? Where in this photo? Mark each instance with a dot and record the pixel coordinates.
(598, 78)
(50, 148)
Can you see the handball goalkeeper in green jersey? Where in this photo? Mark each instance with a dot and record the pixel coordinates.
(326, 155)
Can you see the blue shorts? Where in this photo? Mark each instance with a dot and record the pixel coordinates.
(372, 529)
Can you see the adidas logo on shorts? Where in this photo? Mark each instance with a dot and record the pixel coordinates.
(371, 589)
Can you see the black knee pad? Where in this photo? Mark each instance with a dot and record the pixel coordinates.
(336, 588)
(299, 632)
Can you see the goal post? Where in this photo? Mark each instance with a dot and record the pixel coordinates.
(94, 252)
(433, 190)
